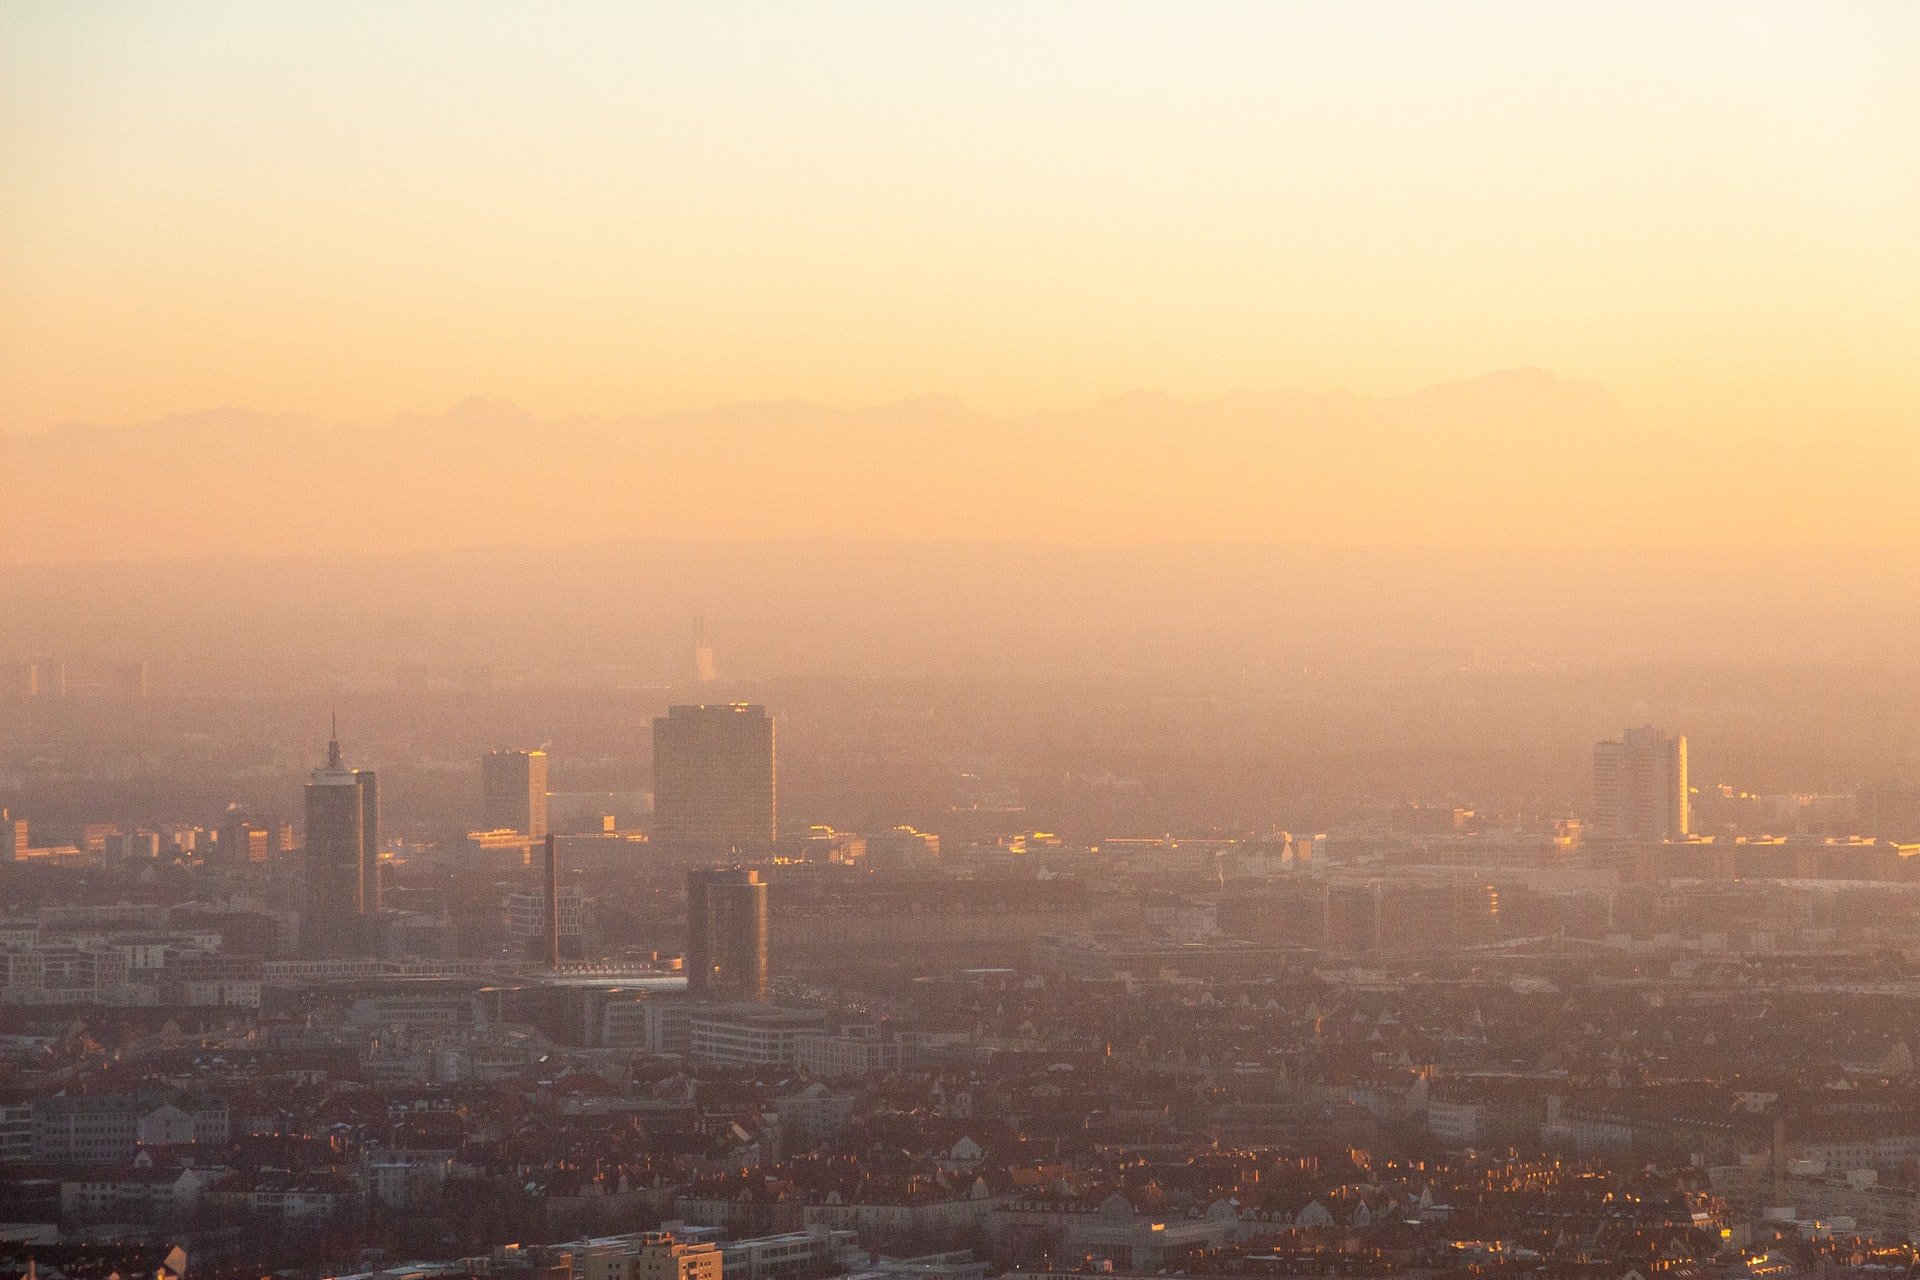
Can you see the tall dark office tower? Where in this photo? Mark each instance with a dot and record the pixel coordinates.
(726, 934)
(713, 780)
(513, 791)
(342, 858)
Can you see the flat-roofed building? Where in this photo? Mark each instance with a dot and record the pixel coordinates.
(651, 1255)
(727, 929)
(750, 1035)
(714, 780)
(1640, 785)
(513, 791)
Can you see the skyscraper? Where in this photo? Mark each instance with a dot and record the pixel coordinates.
(703, 672)
(513, 791)
(1640, 785)
(713, 780)
(726, 934)
(342, 858)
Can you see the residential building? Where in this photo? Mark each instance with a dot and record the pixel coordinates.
(1640, 785)
(107, 1127)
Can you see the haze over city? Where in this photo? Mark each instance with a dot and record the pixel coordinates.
(959, 641)
(1697, 218)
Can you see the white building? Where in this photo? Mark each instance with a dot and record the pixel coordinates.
(1640, 785)
(833, 1056)
(749, 1035)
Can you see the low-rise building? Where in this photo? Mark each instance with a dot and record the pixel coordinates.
(750, 1035)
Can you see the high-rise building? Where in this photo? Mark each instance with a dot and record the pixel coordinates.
(1640, 785)
(713, 780)
(13, 837)
(513, 791)
(726, 934)
(550, 934)
(342, 863)
(703, 672)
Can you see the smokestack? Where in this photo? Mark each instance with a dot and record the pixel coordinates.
(553, 905)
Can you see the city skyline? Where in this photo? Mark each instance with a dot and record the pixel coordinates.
(1247, 640)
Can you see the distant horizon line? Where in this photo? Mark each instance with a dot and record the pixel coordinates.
(1666, 551)
(481, 401)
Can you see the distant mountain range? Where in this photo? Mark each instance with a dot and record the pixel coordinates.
(1518, 458)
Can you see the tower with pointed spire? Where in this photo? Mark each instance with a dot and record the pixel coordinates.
(341, 857)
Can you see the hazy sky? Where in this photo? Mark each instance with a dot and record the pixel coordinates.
(358, 210)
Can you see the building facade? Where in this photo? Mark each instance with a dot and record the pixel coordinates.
(726, 934)
(714, 780)
(1640, 785)
(342, 859)
(513, 791)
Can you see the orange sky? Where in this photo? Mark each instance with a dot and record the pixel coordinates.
(359, 210)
